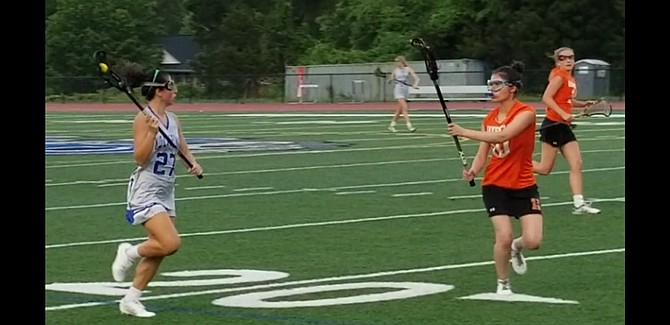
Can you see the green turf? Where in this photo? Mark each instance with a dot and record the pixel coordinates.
(343, 213)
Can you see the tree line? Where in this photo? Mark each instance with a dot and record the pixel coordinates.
(260, 37)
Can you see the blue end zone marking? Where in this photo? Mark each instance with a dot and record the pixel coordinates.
(75, 146)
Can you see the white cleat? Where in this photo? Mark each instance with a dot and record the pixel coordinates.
(518, 262)
(585, 209)
(504, 288)
(121, 263)
(392, 129)
(413, 129)
(134, 308)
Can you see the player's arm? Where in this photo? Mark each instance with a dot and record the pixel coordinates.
(548, 96)
(479, 161)
(144, 136)
(392, 76)
(582, 103)
(183, 146)
(414, 77)
(518, 124)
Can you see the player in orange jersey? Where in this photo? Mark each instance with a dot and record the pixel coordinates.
(559, 96)
(509, 188)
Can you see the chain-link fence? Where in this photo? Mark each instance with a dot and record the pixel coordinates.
(309, 87)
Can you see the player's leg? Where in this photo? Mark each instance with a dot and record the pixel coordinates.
(531, 232)
(548, 155)
(527, 206)
(549, 139)
(573, 156)
(495, 202)
(503, 233)
(163, 241)
(396, 116)
(399, 98)
(130, 303)
(531, 238)
(404, 107)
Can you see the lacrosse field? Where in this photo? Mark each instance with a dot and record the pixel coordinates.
(328, 218)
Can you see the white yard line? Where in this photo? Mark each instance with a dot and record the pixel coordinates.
(291, 191)
(337, 278)
(313, 224)
(412, 194)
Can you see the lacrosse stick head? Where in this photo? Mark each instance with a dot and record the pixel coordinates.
(600, 107)
(428, 57)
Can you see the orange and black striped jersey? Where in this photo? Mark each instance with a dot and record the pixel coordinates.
(564, 94)
(511, 164)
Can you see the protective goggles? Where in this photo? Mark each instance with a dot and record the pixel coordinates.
(169, 85)
(496, 85)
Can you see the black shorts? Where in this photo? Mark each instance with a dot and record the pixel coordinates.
(512, 202)
(556, 135)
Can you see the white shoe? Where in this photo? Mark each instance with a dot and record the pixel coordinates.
(518, 261)
(392, 129)
(412, 129)
(585, 209)
(504, 288)
(134, 308)
(121, 263)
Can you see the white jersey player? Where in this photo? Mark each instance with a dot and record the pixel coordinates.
(400, 77)
(151, 186)
(151, 201)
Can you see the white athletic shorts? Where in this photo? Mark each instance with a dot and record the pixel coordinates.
(142, 215)
(400, 91)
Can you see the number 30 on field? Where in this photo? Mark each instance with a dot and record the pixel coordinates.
(259, 299)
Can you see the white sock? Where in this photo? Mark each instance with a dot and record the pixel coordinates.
(517, 244)
(578, 200)
(133, 253)
(133, 294)
(503, 281)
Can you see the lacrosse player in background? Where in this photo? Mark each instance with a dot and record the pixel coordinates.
(559, 96)
(400, 76)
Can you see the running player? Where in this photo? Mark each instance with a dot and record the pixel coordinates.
(509, 188)
(151, 201)
(559, 96)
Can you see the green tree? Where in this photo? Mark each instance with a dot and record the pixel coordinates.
(363, 30)
(502, 30)
(206, 17)
(307, 11)
(241, 38)
(171, 14)
(250, 38)
(126, 29)
(49, 8)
